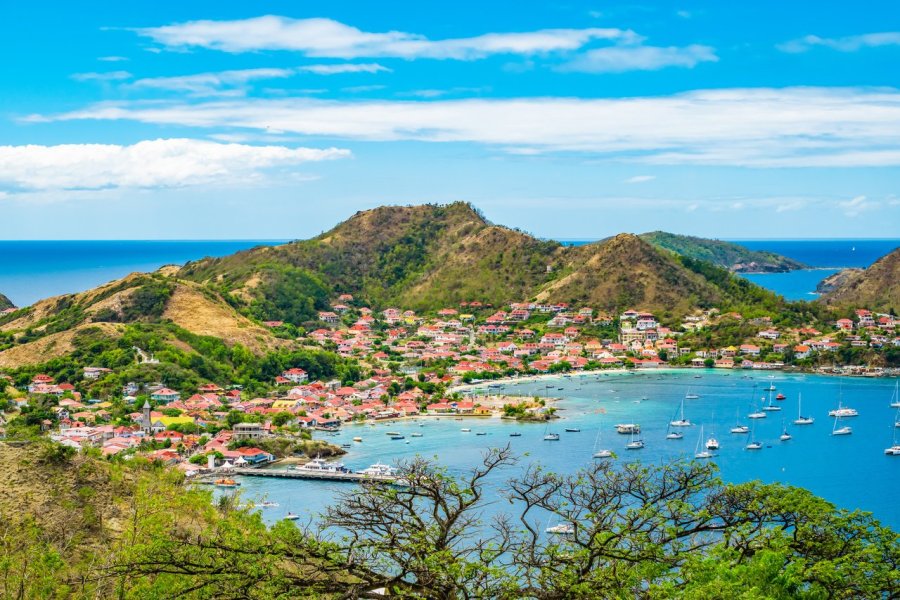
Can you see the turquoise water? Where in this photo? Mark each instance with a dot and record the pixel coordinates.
(851, 471)
(795, 285)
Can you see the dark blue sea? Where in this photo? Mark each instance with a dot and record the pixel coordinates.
(824, 257)
(31, 270)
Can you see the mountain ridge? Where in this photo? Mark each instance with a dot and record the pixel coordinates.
(728, 255)
(877, 287)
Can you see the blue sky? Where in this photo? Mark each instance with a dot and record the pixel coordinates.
(567, 119)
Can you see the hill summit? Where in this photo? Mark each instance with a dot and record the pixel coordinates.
(877, 287)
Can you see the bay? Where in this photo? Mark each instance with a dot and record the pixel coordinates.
(850, 471)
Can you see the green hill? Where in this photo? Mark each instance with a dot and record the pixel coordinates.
(5, 303)
(876, 288)
(727, 255)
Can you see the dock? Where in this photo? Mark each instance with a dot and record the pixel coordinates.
(349, 477)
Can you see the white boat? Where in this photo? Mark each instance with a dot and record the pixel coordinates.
(416, 434)
(740, 429)
(357, 439)
(573, 429)
(785, 436)
(771, 407)
(628, 428)
(634, 444)
(551, 437)
(320, 465)
(893, 450)
(379, 470)
(691, 395)
(843, 411)
(561, 529)
(835, 430)
(465, 430)
(801, 420)
(895, 398)
(701, 453)
(753, 445)
(601, 452)
(291, 517)
(712, 443)
(757, 415)
(674, 435)
(268, 504)
(680, 421)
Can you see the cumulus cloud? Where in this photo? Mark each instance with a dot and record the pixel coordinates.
(109, 76)
(850, 43)
(618, 59)
(759, 127)
(162, 163)
(210, 84)
(640, 178)
(330, 38)
(857, 205)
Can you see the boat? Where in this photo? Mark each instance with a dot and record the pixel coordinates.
(357, 439)
(392, 433)
(634, 444)
(551, 437)
(780, 396)
(801, 420)
(740, 429)
(268, 504)
(701, 453)
(602, 452)
(465, 430)
(291, 517)
(674, 435)
(346, 445)
(680, 421)
(770, 407)
(835, 430)
(379, 470)
(895, 398)
(785, 436)
(771, 387)
(398, 437)
(226, 482)
(415, 434)
(515, 434)
(712, 443)
(481, 433)
(843, 411)
(561, 529)
(753, 445)
(691, 395)
(320, 465)
(573, 430)
(628, 428)
(893, 450)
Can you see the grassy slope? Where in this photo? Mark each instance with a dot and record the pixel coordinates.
(878, 287)
(727, 255)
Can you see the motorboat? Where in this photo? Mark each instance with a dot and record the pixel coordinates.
(291, 517)
(573, 429)
(357, 439)
(379, 470)
(893, 450)
(268, 504)
(628, 428)
(515, 434)
(780, 396)
(398, 436)
(551, 437)
(225, 482)
(465, 430)
(712, 443)
(415, 434)
(320, 465)
(481, 433)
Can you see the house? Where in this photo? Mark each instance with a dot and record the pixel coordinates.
(845, 324)
(801, 351)
(165, 395)
(95, 372)
(247, 431)
(296, 375)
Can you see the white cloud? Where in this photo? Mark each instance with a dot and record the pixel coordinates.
(329, 38)
(640, 178)
(857, 205)
(109, 76)
(760, 127)
(148, 164)
(345, 68)
(112, 58)
(618, 59)
(211, 84)
(850, 43)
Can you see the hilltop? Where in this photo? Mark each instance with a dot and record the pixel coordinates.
(427, 257)
(5, 303)
(734, 257)
(877, 288)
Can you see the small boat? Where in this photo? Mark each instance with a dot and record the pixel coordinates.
(893, 450)
(801, 420)
(551, 437)
(268, 504)
(712, 443)
(609, 454)
(392, 433)
(895, 398)
(754, 446)
(771, 388)
(835, 430)
(771, 407)
(573, 429)
(600, 452)
(398, 437)
(515, 434)
(346, 445)
(291, 517)
(634, 444)
(757, 415)
(674, 435)
(357, 439)
(740, 429)
(481, 433)
(628, 428)
(226, 482)
(780, 396)
(415, 434)
(701, 453)
(691, 395)
(785, 436)
(680, 421)
(465, 430)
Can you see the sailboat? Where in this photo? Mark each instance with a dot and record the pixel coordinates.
(771, 407)
(712, 443)
(785, 436)
(753, 445)
(602, 453)
(550, 436)
(634, 444)
(835, 430)
(895, 398)
(671, 434)
(738, 427)
(691, 395)
(701, 453)
(681, 421)
(841, 410)
(801, 420)
(894, 450)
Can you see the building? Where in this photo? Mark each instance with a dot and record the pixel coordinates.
(247, 431)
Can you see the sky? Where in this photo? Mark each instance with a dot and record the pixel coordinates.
(568, 119)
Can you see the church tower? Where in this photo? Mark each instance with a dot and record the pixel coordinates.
(146, 424)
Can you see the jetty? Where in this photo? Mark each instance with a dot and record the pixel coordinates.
(348, 476)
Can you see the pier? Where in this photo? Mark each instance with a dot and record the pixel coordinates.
(320, 476)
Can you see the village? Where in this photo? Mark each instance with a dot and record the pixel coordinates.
(417, 366)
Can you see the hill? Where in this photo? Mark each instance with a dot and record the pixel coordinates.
(5, 303)
(427, 257)
(877, 288)
(727, 255)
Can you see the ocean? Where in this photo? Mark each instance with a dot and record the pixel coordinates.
(850, 471)
(32, 270)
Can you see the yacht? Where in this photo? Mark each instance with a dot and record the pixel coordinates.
(740, 429)
(680, 421)
(601, 452)
(893, 450)
(291, 517)
(379, 470)
(701, 453)
(573, 429)
(691, 395)
(465, 430)
(319, 465)
(771, 407)
(634, 444)
(895, 398)
(415, 434)
(843, 411)
(785, 436)
(753, 445)
(835, 430)
(551, 437)
(628, 428)
(674, 435)
(712, 443)
(801, 420)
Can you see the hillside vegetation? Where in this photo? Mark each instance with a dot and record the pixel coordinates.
(5, 302)
(727, 255)
(877, 288)
(427, 257)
